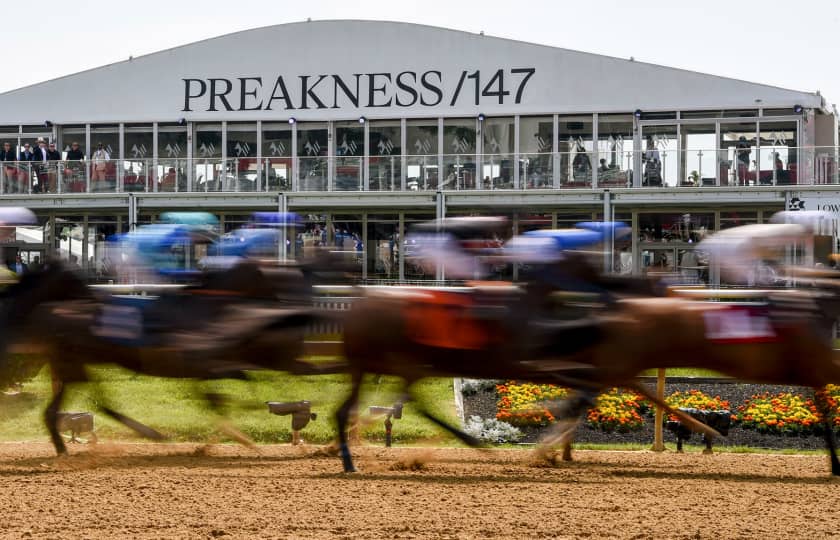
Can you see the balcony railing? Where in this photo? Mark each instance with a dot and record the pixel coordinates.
(658, 168)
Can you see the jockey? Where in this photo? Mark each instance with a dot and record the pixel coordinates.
(551, 260)
(458, 245)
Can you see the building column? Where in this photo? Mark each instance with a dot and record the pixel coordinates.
(440, 213)
(594, 161)
(283, 208)
(403, 154)
(608, 244)
(516, 180)
(555, 157)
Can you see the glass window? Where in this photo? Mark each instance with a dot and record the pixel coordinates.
(172, 158)
(312, 236)
(777, 153)
(104, 155)
(698, 167)
(100, 261)
(349, 156)
(660, 162)
(383, 247)
(738, 151)
(459, 153)
(536, 161)
(674, 227)
(498, 151)
(385, 150)
(574, 137)
(415, 267)
(347, 236)
(242, 156)
(277, 156)
(137, 166)
(312, 156)
(422, 154)
(615, 150)
(208, 158)
(70, 135)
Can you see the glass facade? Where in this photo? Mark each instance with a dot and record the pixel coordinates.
(536, 155)
(459, 158)
(422, 169)
(313, 152)
(696, 149)
(385, 160)
(497, 156)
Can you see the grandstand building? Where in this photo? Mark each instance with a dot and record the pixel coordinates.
(365, 127)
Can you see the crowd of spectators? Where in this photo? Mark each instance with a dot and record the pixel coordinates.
(38, 164)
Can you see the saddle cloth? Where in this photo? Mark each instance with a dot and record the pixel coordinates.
(449, 320)
(739, 324)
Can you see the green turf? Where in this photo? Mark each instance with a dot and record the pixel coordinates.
(175, 408)
(685, 372)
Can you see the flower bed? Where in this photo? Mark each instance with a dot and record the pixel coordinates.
(524, 405)
(784, 413)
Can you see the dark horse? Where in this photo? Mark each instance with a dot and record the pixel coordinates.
(230, 323)
(488, 333)
(791, 344)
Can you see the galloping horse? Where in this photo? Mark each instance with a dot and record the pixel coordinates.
(487, 333)
(231, 323)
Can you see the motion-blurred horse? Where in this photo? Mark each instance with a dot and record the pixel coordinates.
(230, 323)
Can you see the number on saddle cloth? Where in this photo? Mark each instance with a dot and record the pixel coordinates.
(446, 320)
(739, 324)
(121, 321)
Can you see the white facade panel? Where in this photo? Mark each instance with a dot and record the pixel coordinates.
(345, 69)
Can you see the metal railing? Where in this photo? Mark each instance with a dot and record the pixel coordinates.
(734, 166)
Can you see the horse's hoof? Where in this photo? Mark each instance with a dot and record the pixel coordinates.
(351, 471)
(708, 451)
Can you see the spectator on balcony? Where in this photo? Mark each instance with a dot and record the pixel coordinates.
(653, 165)
(10, 172)
(75, 153)
(100, 160)
(742, 155)
(75, 169)
(41, 157)
(167, 183)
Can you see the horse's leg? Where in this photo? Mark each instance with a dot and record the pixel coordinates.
(830, 443)
(51, 414)
(141, 429)
(465, 438)
(217, 404)
(342, 419)
(569, 416)
(687, 420)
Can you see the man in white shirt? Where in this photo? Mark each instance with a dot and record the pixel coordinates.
(100, 160)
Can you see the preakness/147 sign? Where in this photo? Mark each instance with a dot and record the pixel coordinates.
(430, 88)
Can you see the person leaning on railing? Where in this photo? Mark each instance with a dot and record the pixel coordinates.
(75, 168)
(26, 157)
(7, 155)
(100, 160)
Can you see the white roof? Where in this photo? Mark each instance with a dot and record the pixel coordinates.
(389, 69)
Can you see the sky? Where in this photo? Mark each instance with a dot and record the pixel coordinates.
(792, 44)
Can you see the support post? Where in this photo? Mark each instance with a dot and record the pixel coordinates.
(607, 214)
(658, 444)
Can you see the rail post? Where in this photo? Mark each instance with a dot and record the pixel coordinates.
(658, 445)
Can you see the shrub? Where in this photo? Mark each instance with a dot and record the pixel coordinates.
(492, 430)
(470, 387)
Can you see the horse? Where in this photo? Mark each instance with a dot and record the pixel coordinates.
(231, 323)
(489, 332)
(788, 342)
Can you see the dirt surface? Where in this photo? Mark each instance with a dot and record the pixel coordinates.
(190, 491)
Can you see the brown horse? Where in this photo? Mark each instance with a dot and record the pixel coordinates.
(231, 323)
(486, 333)
(786, 343)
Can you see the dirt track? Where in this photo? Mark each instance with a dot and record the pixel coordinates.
(175, 491)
